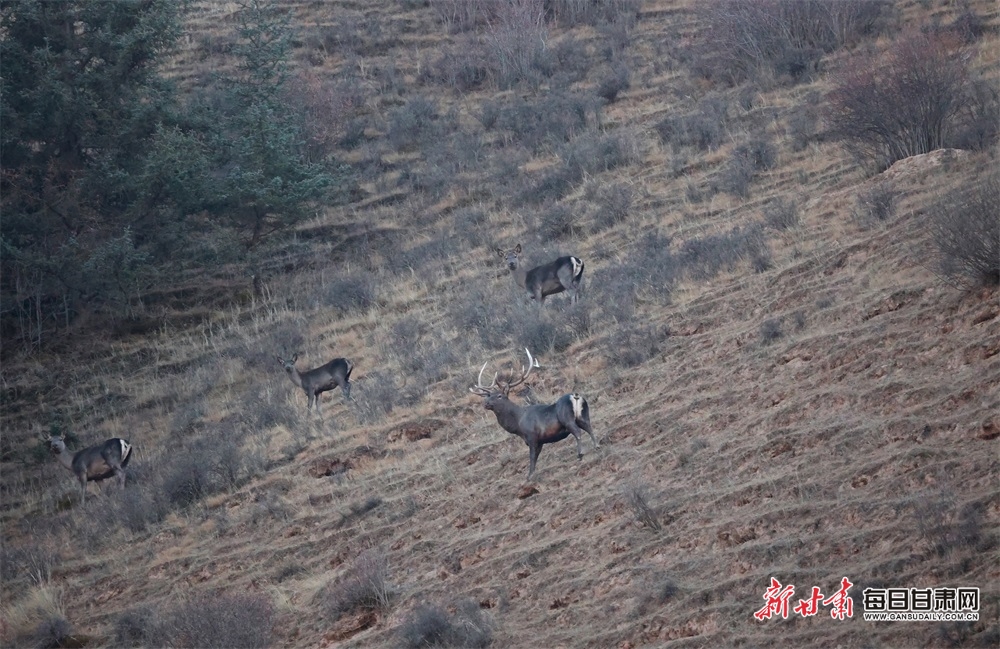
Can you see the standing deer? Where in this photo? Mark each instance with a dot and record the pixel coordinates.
(322, 379)
(98, 462)
(537, 425)
(563, 274)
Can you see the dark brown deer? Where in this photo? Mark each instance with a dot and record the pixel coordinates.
(321, 379)
(537, 425)
(563, 274)
(94, 463)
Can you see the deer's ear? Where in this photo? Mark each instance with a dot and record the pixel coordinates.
(279, 359)
(500, 252)
(517, 249)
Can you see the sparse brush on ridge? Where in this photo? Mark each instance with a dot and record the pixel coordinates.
(366, 586)
(431, 625)
(637, 496)
(211, 621)
(965, 230)
(804, 399)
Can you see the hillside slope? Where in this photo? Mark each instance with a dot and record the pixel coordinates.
(833, 413)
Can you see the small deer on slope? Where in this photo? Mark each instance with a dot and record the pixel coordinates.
(321, 379)
(98, 462)
(537, 425)
(563, 274)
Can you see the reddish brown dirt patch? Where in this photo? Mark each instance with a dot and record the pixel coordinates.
(329, 466)
(415, 430)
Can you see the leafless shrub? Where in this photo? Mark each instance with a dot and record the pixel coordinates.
(140, 507)
(221, 620)
(52, 631)
(969, 26)
(617, 81)
(433, 626)
(707, 256)
(470, 223)
(761, 154)
(413, 123)
(288, 570)
(616, 36)
(634, 345)
(782, 37)
(138, 627)
(781, 214)
(462, 67)
(553, 119)
(366, 586)
(326, 107)
(648, 269)
(976, 126)
(570, 13)
(571, 60)
(875, 205)
(353, 133)
(348, 292)
(190, 476)
(898, 103)
(476, 310)
(945, 527)
(614, 204)
(556, 221)
(554, 184)
(376, 397)
(537, 330)
(35, 563)
(747, 159)
(802, 125)
(735, 177)
(770, 330)
(703, 129)
(514, 37)
(637, 497)
(461, 15)
(965, 229)
(656, 590)
(596, 152)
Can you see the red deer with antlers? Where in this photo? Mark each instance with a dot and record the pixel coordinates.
(537, 425)
(563, 274)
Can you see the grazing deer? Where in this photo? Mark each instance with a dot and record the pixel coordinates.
(537, 425)
(322, 379)
(563, 274)
(98, 462)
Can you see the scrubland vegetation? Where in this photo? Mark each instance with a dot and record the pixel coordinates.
(788, 333)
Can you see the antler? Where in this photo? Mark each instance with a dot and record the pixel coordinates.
(532, 363)
(479, 388)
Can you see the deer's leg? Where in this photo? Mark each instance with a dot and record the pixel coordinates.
(584, 424)
(83, 487)
(318, 411)
(346, 389)
(575, 431)
(533, 451)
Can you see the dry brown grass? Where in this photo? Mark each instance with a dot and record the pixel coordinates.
(861, 442)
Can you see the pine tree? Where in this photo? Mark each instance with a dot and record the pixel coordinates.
(269, 185)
